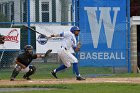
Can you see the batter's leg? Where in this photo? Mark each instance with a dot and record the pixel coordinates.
(61, 67)
(75, 69)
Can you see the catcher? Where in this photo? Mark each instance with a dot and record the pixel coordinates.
(23, 63)
(69, 40)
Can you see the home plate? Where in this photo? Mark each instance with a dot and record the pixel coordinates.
(30, 81)
(42, 81)
(36, 81)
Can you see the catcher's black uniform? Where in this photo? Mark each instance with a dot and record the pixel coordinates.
(26, 59)
(23, 63)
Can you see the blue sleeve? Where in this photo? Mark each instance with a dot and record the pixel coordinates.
(74, 48)
(62, 34)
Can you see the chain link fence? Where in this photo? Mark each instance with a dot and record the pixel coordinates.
(16, 13)
(37, 13)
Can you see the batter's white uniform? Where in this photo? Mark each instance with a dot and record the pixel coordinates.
(64, 53)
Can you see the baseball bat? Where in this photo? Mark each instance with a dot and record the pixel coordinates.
(34, 30)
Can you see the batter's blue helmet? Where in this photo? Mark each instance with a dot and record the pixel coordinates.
(74, 28)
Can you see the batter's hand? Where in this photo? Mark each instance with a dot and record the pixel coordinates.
(77, 49)
(53, 35)
(79, 45)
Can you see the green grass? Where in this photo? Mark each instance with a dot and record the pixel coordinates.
(44, 69)
(85, 88)
(43, 72)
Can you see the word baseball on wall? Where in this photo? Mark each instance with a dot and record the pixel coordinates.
(103, 32)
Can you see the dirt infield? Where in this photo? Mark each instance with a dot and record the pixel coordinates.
(67, 81)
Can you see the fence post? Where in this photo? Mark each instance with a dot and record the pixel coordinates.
(28, 22)
(128, 27)
(77, 12)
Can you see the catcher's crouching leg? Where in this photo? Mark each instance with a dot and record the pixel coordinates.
(30, 72)
(14, 74)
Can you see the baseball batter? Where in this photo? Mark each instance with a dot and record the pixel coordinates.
(69, 40)
(23, 63)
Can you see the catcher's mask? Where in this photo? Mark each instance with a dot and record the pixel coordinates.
(28, 49)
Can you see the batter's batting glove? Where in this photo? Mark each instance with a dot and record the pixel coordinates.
(79, 45)
(53, 35)
(48, 52)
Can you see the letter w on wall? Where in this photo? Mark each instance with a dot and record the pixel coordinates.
(105, 18)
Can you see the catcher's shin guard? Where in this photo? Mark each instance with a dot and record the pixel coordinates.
(14, 73)
(30, 72)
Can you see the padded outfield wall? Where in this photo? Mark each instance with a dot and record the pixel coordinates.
(104, 33)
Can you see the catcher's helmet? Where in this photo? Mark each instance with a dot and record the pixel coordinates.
(74, 28)
(28, 47)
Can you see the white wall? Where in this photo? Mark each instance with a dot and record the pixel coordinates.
(49, 30)
(32, 9)
(17, 10)
(135, 20)
(58, 10)
(69, 12)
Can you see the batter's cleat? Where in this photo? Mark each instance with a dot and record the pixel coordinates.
(54, 74)
(27, 78)
(80, 78)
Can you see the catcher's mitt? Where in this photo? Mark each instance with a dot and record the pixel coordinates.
(48, 52)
